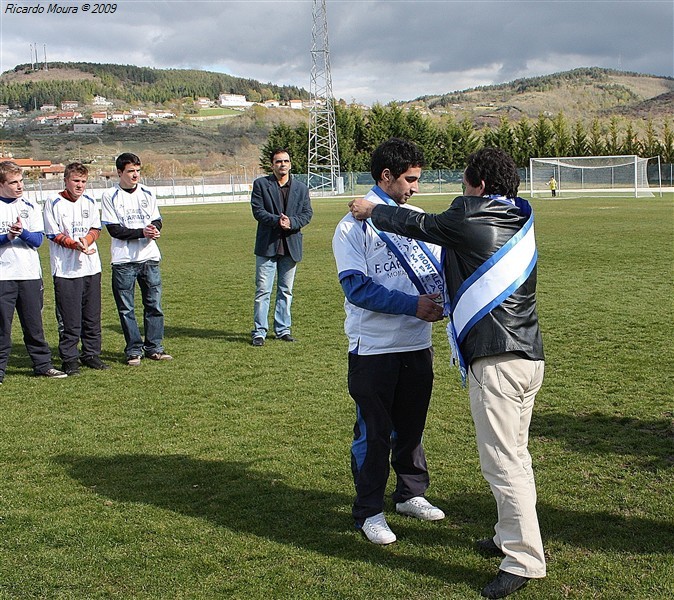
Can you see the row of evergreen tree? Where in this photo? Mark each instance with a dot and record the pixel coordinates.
(138, 84)
(447, 143)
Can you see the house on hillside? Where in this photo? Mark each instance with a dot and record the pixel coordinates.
(53, 171)
(233, 100)
(296, 104)
(140, 116)
(48, 108)
(67, 117)
(69, 105)
(119, 116)
(99, 117)
(271, 103)
(101, 101)
(62, 118)
(162, 114)
(203, 102)
(46, 168)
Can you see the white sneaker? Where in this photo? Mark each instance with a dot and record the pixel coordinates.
(420, 508)
(376, 530)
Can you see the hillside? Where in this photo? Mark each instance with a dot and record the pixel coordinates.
(581, 94)
(24, 88)
(232, 144)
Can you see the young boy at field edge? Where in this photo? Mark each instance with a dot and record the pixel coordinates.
(131, 216)
(21, 288)
(72, 224)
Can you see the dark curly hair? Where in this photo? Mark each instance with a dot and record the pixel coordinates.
(397, 156)
(496, 168)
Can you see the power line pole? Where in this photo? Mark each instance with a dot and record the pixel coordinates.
(323, 164)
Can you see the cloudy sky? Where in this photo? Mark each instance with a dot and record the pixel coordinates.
(379, 50)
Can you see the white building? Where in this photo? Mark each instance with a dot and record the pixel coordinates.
(161, 114)
(101, 101)
(233, 100)
(119, 116)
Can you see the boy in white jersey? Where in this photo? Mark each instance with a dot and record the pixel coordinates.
(131, 216)
(72, 224)
(21, 289)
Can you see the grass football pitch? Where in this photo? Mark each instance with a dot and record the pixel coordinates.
(225, 473)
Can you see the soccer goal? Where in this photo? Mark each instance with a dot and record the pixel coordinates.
(595, 175)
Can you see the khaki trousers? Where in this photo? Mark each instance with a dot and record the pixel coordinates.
(502, 389)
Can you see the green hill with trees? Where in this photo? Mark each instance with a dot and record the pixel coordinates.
(24, 88)
(580, 112)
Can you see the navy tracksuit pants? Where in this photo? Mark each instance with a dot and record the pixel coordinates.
(78, 312)
(24, 296)
(392, 393)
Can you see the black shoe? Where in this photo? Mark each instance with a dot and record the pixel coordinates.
(71, 368)
(489, 548)
(287, 338)
(93, 362)
(258, 340)
(504, 584)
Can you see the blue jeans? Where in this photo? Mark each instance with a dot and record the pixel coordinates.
(266, 268)
(124, 277)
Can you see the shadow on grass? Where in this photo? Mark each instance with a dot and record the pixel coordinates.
(241, 499)
(232, 495)
(172, 332)
(591, 530)
(20, 362)
(608, 434)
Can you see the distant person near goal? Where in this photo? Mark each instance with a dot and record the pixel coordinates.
(552, 184)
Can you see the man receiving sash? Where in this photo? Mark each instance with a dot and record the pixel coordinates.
(490, 269)
(394, 289)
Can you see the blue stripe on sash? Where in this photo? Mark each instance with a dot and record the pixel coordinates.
(493, 259)
(500, 298)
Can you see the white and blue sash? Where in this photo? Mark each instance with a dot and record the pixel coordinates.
(493, 282)
(415, 257)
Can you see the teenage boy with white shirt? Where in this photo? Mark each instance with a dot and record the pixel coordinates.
(388, 323)
(73, 224)
(21, 288)
(131, 216)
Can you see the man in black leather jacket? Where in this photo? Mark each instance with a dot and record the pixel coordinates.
(500, 345)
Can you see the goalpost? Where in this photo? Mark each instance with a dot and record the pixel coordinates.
(594, 175)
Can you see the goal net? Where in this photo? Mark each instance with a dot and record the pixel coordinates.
(592, 175)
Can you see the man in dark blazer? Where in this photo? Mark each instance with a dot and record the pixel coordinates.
(281, 207)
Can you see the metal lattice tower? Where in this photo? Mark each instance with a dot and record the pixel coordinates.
(323, 164)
